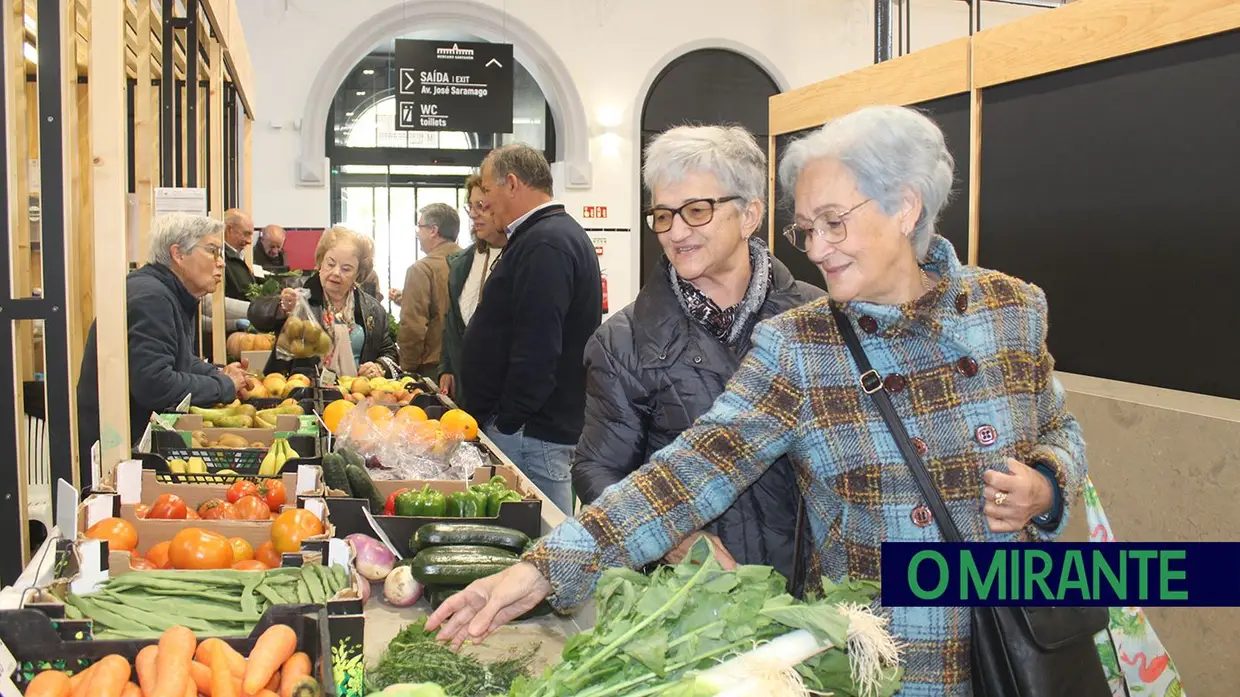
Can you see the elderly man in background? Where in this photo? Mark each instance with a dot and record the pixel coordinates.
(424, 300)
(269, 252)
(238, 234)
(186, 264)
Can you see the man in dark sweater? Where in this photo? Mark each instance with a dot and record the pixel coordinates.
(524, 347)
(238, 234)
(269, 252)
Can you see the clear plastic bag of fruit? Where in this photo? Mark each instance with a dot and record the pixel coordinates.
(302, 336)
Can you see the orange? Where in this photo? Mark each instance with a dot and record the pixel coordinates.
(379, 414)
(459, 425)
(411, 414)
(334, 412)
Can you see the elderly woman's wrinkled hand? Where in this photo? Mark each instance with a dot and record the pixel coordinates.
(288, 300)
(488, 604)
(1015, 499)
(370, 370)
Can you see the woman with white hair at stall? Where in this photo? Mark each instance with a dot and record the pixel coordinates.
(959, 351)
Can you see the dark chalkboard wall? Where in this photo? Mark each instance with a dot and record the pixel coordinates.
(1116, 188)
(952, 116)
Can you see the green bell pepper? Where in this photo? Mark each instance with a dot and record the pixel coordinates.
(434, 503)
(467, 504)
(498, 497)
(408, 503)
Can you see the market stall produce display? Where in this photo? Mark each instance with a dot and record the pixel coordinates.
(414, 657)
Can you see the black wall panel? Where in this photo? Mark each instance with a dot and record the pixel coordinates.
(1116, 188)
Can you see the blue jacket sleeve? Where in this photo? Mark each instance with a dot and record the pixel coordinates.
(687, 484)
(154, 346)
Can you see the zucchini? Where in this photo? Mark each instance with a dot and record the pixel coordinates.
(333, 473)
(459, 566)
(445, 534)
(351, 458)
(363, 488)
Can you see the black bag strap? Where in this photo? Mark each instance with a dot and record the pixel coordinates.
(872, 384)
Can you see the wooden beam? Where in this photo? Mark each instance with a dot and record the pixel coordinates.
(975, 169)
(930, 73)
(216, 186)
(226, 23)
(146, 131)
(247, 164)
(109, 164)
(80, 236)
(1089, 31)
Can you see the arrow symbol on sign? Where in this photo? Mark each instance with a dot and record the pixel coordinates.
(408, 80)
(495, 61)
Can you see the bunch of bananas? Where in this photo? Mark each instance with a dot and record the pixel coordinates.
(195, 465)
(279, 453)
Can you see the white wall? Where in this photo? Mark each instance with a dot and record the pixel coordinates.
(612, 49)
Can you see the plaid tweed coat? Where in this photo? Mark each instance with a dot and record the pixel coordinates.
(967, 369)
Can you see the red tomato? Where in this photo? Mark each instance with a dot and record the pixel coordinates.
(267, 554)
(168, 507)
(120, 535)
(195, 548)
(273, 493)
(293, 526)
(141, 510)
(158, 555)
(242, 549)
(139, 564)
(217, 509)
(389, 508)
(250, 565)
(241, 488)
(251, 508)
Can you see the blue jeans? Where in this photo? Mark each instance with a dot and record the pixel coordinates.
(548, 465)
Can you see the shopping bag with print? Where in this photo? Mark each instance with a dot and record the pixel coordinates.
(1136, 662)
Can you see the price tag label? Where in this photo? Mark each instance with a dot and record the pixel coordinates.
(338, 553)
(128, 475)
(379, 534)
(307, 478)
(327, 378)
(183, 407)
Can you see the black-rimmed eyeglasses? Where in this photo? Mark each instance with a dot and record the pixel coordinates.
(829, 225)
(695, 213)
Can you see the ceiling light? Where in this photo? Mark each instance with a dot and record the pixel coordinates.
(368, 71)
(31, 53)
(348, 113)
(361, 93)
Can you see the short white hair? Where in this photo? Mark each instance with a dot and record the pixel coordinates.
(729, 153)
(888, 149)
(184, 230)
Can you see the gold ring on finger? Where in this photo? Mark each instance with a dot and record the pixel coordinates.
(1000, 497)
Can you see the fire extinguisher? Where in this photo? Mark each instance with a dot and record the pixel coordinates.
(604, 295)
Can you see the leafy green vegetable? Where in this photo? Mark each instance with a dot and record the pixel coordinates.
(414, 656)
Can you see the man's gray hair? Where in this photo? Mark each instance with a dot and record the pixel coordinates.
(183, 230)
(729, 153)
(888, 149)
(526, 162)
(444, 217)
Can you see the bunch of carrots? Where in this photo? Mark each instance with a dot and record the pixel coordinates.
(180, 666)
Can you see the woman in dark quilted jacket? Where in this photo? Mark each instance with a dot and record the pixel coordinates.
(658, 364)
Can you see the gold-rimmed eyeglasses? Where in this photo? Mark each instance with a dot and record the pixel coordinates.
(829, 225)
(695, 213)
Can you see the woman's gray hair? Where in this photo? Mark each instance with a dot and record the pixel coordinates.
(730, 153)
(888, 149)
(184, 230)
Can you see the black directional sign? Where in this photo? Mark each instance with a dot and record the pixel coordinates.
(453, 86)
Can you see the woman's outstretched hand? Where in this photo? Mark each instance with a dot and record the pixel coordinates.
(488, 604)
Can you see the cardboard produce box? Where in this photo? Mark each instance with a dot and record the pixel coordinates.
(175, 440)
(143, 485)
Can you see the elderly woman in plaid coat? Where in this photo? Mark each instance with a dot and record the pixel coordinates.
(963, 356)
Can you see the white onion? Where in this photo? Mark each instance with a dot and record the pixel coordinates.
(401, 588)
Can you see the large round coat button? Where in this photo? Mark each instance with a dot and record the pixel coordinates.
(894, 383)
(868, 324)
(967, 367)
(697, 359)
(986, 435)
(962, 303)
(922, 517)
(921, 446)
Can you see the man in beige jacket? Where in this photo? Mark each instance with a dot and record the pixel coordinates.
(424, 300)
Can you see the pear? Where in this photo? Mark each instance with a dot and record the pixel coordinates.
(294, 328)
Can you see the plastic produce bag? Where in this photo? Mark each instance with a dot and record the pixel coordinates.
(302, 336)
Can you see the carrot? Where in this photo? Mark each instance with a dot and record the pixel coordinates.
(223, 682)
(80, 680)
(131, 690)
(145, 665)
(172, 663)
(273, 685)
(236, 662)
(49, 683)
(272, 649)
(266, 693)
(110, 677)
(191, 690)
(295, 668)
(202, 677)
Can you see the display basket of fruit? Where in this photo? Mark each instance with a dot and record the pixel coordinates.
(393, 393)
(195, 450)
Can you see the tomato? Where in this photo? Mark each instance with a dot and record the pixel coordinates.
(293, 526)
(217, 509)
(267, 554)
(120, 534)
(191, 514)
(251, 508)
(389, 508)
(140, 564)
(168, 507)
(242, 549)
(241, 488)
(250, 565)
(141, 510)
(195, 548)
(158, 555)
(272, 491)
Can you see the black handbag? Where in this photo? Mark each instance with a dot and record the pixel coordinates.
(1016, 651)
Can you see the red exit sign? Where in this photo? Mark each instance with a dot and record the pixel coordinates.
(594, 212)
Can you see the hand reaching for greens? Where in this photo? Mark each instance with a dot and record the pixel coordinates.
(488, 604)
(681, 551)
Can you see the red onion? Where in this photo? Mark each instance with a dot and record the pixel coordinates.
(371, 557)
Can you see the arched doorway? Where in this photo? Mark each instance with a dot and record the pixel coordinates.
(702, 86)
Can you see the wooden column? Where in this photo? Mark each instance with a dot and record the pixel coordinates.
(216, 186)
(247, 164)
(109, 185)
(146, 131)
(82, 241)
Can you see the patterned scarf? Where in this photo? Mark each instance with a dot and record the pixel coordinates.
(730, 324)
(345, 316)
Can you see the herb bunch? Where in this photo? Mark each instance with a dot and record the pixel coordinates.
(414, 656)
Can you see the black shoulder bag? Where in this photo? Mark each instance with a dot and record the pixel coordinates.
(1016, 651)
